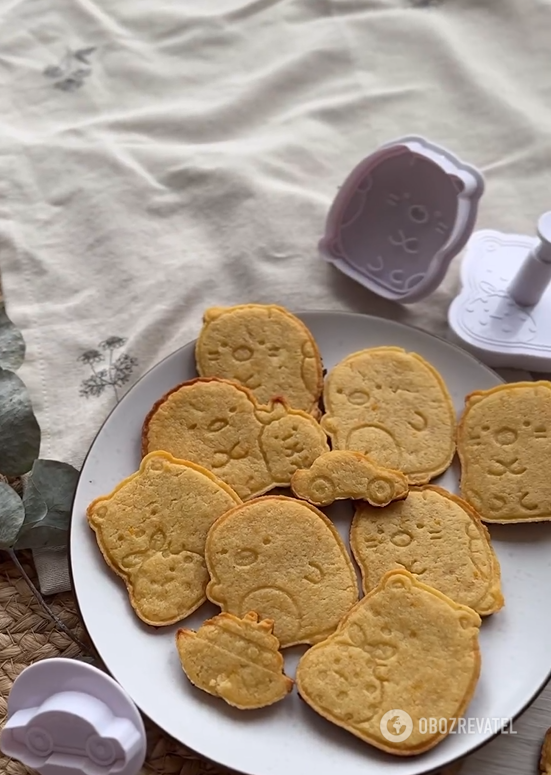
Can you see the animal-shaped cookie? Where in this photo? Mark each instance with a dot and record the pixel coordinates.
(503, 441)
(284, 559)
(341, 475)
(438, 538)
(152, 530)
(219, 424)
(404, 646)
(265, 348)
(545, 757)
(235, 659)
(394, 407)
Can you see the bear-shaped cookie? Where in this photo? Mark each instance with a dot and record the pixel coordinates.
(152, 530)
(284, 559)
(265, 348)
(342, 475)
(438, 538)
(394, 407)
(219, 424)
(404, 645)
(235, 659)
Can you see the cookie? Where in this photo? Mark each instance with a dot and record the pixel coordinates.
(405, 652)
(545, 758)
(219, 424)
(265, 348)
(152, 530)
(438, 538)
(341, 475)
(285, 560)
(394, 407)
(504, 436)
(235, 659)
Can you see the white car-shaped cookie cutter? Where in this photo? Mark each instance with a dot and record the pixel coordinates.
(67, 717)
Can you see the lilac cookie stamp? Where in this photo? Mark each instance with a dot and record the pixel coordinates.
(66, 717)
(401, 216)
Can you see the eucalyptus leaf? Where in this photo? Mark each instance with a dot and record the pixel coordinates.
(12, 514)
(48, 499)
(12, 344)
(19, 430)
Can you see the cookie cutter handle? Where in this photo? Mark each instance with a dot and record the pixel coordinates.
(534, 275)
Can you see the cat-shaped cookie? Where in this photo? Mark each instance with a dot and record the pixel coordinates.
(152, 530)
(403, 646)
(438, 538)
(394, 407)
(265, 348)
(284, 559)
(503, 442)
(235, 659)
(220, 425)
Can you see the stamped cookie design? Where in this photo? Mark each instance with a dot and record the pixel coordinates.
(438, 538)
(285, 560)
(152, 530)
(219, 424)
(394, 407)
(404, 645)
(504, 439)
(265, 348)
(343, 475)
(235, 659)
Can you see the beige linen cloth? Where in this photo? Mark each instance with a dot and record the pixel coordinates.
(157, 158)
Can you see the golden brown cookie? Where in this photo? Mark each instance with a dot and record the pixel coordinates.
(405, 651)
(545, 758)
(394, 407)
(152, 530)
(235, 659)
(265, 348)
(285, 560)
(438, 538)
(503, 439)
(345, 475)
(218, 424)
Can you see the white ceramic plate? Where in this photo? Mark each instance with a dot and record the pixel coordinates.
(289, 738)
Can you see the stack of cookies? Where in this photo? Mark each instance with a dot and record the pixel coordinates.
(195, 522)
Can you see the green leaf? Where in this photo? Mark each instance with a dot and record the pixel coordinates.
(12, 344)
(12, 514)
(19, 430)
(48, 500)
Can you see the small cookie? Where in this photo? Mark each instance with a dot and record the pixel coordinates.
(342, 475)
(235, 659)
(265, 348)
(394, 407)
(218, 424)
(545, 758)
(404, 646)
(152, 530)
(503, 439)
(438, 538)
(285, 560)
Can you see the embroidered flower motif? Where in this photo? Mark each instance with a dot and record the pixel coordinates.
(71, 72)
(115, 374)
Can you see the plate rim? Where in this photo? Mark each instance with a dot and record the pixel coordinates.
(299, 314)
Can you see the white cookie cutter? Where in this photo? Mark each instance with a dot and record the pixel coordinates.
(66, 717)
(503, 313)
(401, 216)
